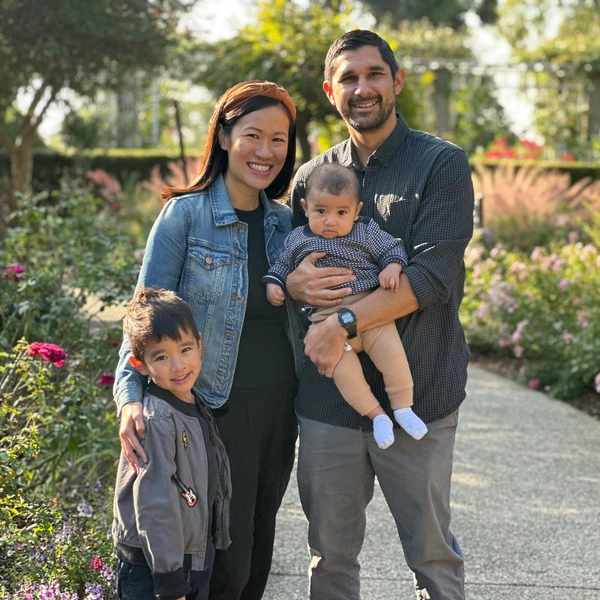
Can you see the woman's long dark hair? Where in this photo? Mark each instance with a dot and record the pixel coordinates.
(242, 99)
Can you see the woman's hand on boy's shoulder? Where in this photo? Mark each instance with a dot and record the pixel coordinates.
(132, 426)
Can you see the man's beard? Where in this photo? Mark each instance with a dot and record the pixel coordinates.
(370, 122)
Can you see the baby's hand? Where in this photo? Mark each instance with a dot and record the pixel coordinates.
(275, 294)
(389, 278)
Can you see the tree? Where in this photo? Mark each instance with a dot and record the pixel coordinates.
(448, 12)
(46, 47)
(287, 44)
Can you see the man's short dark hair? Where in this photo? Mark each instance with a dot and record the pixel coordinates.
(154, 314)
(353, 40)
(332, 178)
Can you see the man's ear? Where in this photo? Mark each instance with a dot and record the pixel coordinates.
(304, 206)
(399, 81)
(138, 365)
(329, 92)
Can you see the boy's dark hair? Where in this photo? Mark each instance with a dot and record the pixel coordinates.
(353, 40)
(332, 178)
(154, 314)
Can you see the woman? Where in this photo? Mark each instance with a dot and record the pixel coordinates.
(212, 243)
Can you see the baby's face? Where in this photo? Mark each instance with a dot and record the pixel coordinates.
(331, 216)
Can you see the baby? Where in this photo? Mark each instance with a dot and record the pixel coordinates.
(332, 207)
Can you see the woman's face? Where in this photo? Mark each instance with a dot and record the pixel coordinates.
(256, 147)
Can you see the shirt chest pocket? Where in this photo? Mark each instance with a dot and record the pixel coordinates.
(207, 271)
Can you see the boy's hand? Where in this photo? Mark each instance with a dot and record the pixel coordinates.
(132, 423)
(389, 278)
(275, 295)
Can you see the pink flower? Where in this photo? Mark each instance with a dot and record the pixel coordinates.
(12, 272)
(597, 383)
(106, 380)
(49, 352)
(537, 253)
(534, 384)
(96, 563)
(504, 343)
(563, 284)
(567, 337)
(519, 351)
(573, 237)
(582, 316)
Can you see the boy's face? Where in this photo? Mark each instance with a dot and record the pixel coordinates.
(331, 216)
(173, 366)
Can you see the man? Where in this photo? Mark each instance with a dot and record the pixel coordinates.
(416, 187)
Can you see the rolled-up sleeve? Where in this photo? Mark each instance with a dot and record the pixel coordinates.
(442, 229)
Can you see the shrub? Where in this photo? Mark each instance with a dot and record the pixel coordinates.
(50, 547)
(541, 308)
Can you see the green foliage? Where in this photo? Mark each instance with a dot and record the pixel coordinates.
(541, 308)
(59, 432)
(450, 12)
(480, 118)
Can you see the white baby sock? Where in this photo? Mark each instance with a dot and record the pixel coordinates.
(383, 430)
(410, 422)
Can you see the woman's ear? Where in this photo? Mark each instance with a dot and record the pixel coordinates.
(138, 365)
(223, 138)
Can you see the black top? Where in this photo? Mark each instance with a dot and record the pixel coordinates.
(417, 187)
(265, 355)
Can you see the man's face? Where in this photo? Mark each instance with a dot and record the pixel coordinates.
(363, 89)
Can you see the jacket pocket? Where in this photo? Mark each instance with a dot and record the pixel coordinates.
(207, 270)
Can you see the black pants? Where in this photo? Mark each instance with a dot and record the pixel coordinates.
(134, 582)
(259, 430)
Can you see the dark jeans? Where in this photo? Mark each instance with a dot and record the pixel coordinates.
(134, 582)
(259, 430)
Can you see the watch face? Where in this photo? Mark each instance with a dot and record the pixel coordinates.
(347, 318)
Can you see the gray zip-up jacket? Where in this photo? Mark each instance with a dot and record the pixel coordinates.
(164, 510)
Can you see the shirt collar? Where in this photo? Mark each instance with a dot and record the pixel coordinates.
(386, 152)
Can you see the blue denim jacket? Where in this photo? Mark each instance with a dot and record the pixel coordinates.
(198, 248)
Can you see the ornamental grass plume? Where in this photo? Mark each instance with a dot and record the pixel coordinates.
(49, 352)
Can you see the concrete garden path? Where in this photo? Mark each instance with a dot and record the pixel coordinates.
(525, 499)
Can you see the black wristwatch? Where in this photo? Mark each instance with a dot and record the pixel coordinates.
(347, 320)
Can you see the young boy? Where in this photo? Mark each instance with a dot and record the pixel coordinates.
(172, 514)
(376, 258)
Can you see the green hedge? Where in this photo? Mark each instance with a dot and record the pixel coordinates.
(49, 167)
(578, 170)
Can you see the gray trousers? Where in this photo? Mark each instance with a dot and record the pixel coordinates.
(336, 474)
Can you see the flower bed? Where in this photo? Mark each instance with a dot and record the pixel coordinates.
(540, 308)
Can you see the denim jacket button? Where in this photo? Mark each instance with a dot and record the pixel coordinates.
(209, 260)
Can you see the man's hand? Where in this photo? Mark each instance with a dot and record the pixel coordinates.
(324, 344)
(310, 284)
(275, 295)
(389, 278)
(132, 422)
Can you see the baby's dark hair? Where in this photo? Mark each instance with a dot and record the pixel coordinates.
(154, 314)
(334, 179)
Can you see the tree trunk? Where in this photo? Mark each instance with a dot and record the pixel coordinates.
(302, 119)
(21, 169)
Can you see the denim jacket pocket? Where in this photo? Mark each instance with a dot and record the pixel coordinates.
(207, 270)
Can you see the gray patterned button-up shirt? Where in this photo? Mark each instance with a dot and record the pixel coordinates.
(367, 250)
(417, 187)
